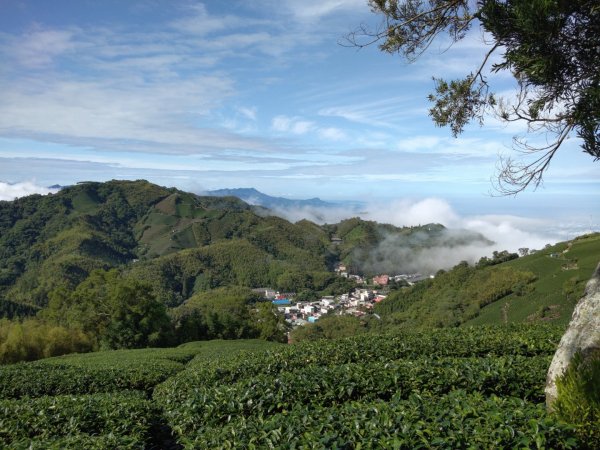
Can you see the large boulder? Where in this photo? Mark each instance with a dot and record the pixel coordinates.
(583, 335)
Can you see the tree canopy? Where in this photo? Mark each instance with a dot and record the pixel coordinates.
(551, 47)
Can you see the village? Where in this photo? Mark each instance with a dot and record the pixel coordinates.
(359, 302)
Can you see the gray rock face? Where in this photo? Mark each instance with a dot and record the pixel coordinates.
(583, 334)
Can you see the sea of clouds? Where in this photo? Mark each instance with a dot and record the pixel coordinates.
(11, 191)
(507, 232)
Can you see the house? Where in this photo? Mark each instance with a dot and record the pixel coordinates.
(357, 278)
(364, 294)
(327, 301)
(379, 298)
(381, 280)
(308, 309)
(265, 292)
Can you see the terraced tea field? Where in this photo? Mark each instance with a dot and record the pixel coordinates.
(451, 388)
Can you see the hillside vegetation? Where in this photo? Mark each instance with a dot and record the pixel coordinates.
(541, 287)
(128, 264)
(179, 242)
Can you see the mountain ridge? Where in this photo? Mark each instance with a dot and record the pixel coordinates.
(187, 241)
(255, 197)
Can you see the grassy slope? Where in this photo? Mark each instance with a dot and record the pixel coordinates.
(576, 259)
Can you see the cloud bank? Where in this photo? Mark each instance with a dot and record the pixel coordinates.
(12, 191)
(507, 232)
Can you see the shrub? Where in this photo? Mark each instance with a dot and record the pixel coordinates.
(578, 401)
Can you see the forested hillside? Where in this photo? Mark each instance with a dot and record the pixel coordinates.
(540, 287)
(179, 242)
(58, 240)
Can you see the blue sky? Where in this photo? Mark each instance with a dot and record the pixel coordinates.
(216, 94)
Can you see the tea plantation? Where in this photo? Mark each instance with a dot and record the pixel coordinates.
(449, 388)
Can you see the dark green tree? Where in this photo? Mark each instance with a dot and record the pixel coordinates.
(270, 323)
(137, 318)
(551, 47)
(117, 312)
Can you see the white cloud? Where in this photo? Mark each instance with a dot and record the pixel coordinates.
(313, 10)
(388, 112)
(10, 191)
(419, 143)
(125, 113)
(248, 112)
(410, 213)
(294, 125)
(38, 48)
(332, 134)
(506, 231)
(200, 22)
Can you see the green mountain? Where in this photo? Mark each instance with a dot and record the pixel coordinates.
(180, 243)
(540, 287)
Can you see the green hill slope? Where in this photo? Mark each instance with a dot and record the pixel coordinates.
(541, 287)
(561, 273)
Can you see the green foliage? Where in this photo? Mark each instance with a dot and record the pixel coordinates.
(137, 318)
(121, 420)
(444, 343)
(10, 309)
(270, 324)
(117, 312)
(454, 387)
(549, 46)
(578, 400)
(97, 400)
(452, 297)
(403, 390)
(557, 286)
(497, 258)
(34, 339)
(48, 241)
(228, 313)
(34, 381)
(455, 420)
(458, 102)
(264, 394)
(108, 371)
(329, 327)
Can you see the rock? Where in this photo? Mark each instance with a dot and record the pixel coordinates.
(583, 334)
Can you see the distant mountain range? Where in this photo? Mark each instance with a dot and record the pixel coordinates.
(254, 197)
